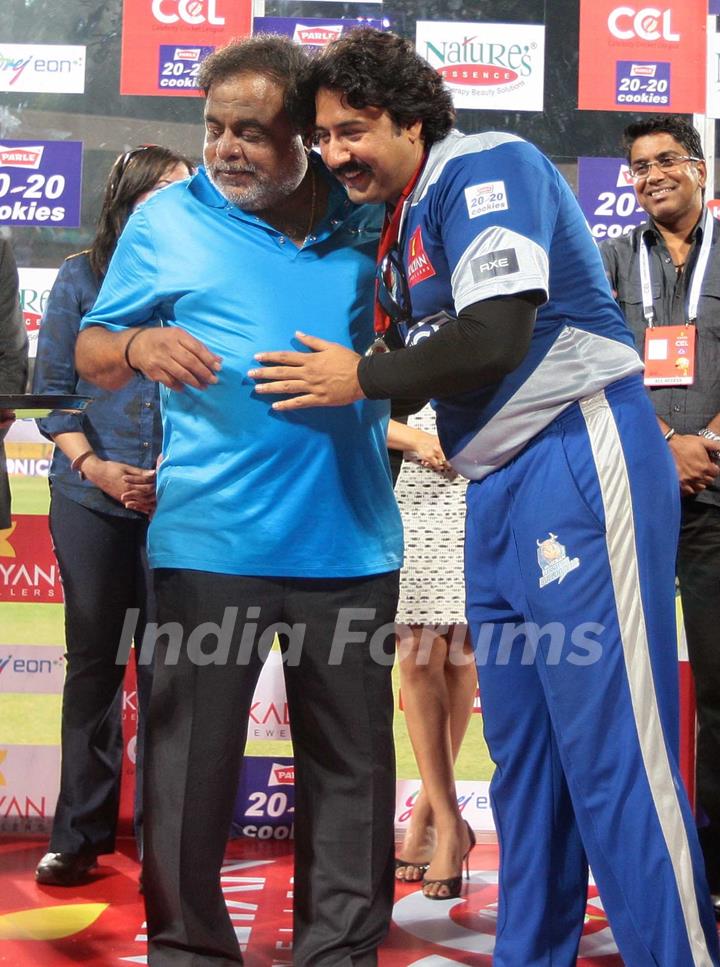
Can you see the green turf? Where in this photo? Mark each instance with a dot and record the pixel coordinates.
(31, 624)
(27, 719)
(30, 495)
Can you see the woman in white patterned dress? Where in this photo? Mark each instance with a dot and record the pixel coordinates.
(437, 670)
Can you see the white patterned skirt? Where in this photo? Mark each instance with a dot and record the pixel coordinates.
(432, 586)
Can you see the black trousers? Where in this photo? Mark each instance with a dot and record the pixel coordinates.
(340, 703)
(104, 571)
(698, 569)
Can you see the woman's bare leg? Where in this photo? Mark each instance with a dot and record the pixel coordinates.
(438, 684)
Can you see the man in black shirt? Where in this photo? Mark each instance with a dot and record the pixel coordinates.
(666, 276)
(13, 360)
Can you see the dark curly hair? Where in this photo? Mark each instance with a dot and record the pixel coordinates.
(272, 55)
(679, 129)
(133, 173)
(376, 68)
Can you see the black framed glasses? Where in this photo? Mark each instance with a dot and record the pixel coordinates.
(393, 294)
(666, 162)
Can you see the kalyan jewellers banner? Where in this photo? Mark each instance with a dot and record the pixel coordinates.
(642, 58)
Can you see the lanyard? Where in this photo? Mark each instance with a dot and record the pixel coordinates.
(390, 236)
(698, 275)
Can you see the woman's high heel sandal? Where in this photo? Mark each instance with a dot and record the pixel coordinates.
(452, 884)
(400, 864)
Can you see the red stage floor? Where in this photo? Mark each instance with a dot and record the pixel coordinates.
(102, 923)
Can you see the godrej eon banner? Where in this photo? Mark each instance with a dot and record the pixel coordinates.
(637, 57)
(165, 41)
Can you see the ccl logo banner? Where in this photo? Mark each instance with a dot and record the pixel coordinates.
(165, 41)
(635, 57)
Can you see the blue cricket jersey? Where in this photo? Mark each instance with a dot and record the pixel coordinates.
(243, 489)
(490, 216)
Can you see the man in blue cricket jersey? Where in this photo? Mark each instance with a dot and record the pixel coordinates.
(490, 278)
(263, 523)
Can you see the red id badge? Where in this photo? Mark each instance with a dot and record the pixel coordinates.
(670, 355)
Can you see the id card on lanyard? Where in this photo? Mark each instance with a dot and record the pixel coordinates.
(670, 350)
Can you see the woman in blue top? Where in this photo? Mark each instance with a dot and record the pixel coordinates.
(102, 486)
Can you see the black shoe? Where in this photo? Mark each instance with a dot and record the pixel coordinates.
(452, 884)
(715, 897)
(64, 869)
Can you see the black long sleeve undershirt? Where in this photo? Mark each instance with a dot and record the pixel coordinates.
(487, 341)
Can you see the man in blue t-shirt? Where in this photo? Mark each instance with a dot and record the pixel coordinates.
(492, 287)
(264, 525)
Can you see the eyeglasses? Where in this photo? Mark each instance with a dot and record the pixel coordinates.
(393, 293)
(666, 162)
(124, 161)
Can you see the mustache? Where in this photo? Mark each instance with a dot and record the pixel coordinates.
(350, 168)
(227, 168)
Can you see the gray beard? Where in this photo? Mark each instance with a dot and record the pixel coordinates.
(264, 193)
